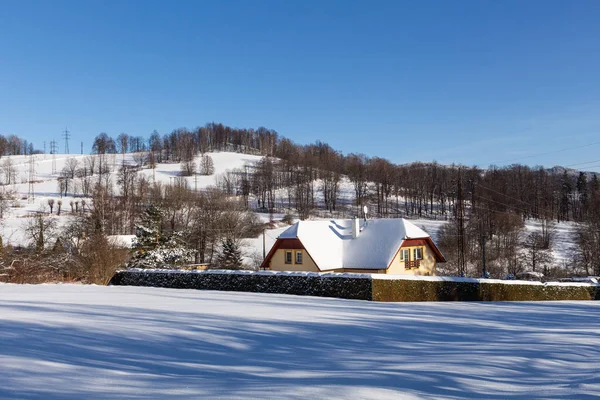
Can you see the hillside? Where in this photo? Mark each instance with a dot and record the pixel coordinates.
(46, 187)
(46, 184)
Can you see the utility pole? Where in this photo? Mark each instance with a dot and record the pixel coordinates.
(460, 214)
(31, 190)
(66, 136)
(479, 215)
(264, 245)
(483, 240)
(53, 150)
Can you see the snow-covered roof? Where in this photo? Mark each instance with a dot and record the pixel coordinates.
(125, 241)
(331, 246)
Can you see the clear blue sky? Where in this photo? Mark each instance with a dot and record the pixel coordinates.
(470, 82)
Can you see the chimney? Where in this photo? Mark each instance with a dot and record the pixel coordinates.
(355, 227)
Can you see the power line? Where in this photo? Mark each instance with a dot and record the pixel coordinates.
(546, 153)
(541, 210)
(593, 166)
(539, 207)
(503, 204)
(503, 194)
(582, 163)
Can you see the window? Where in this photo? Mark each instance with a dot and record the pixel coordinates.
(288, 257)
(418, 253)
(404, 255)
(298, 257)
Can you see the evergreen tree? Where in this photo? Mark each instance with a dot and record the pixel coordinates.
(154, 248)
(230, 256)
(148, 233)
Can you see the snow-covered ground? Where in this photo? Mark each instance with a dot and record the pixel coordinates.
(46, 184)
(76, 342)
(563, 237)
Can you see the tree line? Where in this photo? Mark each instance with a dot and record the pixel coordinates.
(486, 207)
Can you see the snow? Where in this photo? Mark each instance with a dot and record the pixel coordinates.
(563, 239)
(125, 241)
(581, 282)
(331, 245)
(92, 342)
(321, 241)
(46, 184)
(564, 242)
(378, 243)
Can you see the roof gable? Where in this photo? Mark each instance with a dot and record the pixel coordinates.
(320, 241)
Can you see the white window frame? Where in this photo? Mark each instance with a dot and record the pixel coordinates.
(299, 259)
(418, 253)
(286, 257)
(403, 254)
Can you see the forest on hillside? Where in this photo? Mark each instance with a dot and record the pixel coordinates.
(486, 207)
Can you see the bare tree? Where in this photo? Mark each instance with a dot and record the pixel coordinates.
(188, 168)
(141, 158)
(207, 166)
(71, 166)
(68, 173)
(100, 258)
(90, 162)
(122, 144)
(536, 255)
(6, 197)
(9, 170)
(103, 144)
(40, 230)
(356, 169)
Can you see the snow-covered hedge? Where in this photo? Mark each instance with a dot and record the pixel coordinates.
(347, 286)
(359, 286)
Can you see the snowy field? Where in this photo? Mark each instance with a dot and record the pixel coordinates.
(84, 342)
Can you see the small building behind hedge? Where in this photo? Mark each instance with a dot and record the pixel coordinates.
(387, 246)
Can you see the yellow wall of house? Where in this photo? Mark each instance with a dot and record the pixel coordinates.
(426, 266)
(277, 262)
(364, 271)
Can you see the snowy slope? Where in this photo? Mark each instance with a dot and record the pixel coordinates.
(46, 184)
(75, 342)
(563, 239)
(12, 232)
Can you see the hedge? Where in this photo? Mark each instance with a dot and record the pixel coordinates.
(358, 286)
(425, 290)
(321, 285)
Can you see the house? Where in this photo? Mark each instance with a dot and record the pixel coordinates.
(386, 246)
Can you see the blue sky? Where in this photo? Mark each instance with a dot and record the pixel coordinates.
(472, 82)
